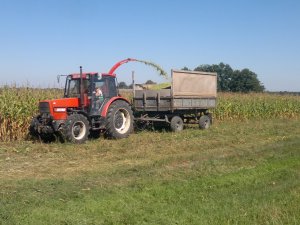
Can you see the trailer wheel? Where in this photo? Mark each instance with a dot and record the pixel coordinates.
(119, 120)
(176, 124)
(77, 128)
(204, 122)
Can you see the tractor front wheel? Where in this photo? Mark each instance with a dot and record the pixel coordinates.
(77, 128)
(119, 120)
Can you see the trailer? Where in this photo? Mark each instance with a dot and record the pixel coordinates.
(189, 99)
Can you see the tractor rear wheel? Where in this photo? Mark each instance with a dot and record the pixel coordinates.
(76, 128)
(119, 120)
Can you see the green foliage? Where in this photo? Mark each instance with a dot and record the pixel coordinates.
(245, 81)
(186, 68)
(17, 106)
(234, 80)
(238, 106)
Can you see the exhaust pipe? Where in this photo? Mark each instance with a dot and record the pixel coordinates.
(81, 90)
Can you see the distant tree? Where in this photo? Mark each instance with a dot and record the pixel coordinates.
(123, 85)
(185, 68)
(150, 82)
(233, 80)
(245, 81)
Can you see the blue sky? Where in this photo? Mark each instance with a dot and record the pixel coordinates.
(41, 39)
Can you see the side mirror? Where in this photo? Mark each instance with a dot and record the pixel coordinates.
(58, 77)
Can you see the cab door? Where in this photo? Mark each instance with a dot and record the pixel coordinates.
(108, 87)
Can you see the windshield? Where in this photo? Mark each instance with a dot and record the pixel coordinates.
(107, 85)
(72, 89)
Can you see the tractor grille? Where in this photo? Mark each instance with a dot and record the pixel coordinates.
(44, 107)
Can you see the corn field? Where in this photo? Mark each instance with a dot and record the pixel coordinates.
(256, 106)
(18, 105)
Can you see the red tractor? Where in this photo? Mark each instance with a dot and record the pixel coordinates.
(91, 104)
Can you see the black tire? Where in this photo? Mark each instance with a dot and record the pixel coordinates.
(176, 124)
(76, 129)
(33, 128)
(119, 120)
(204, 122)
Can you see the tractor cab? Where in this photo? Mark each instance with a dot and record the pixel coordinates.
(97, 89)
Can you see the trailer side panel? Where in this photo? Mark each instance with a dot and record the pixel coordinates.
(194, 84)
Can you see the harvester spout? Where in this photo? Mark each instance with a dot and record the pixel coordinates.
(116, 66)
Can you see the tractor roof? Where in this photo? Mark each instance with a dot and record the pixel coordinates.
(77, 75)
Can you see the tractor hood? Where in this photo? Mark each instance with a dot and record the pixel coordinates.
(65, 102)
(58, 107)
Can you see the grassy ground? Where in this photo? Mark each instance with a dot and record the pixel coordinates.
(233, 173)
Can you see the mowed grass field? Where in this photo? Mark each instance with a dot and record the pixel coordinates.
(237, 172)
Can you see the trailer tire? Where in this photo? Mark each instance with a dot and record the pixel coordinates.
(76, 128)
(119, 120)
(204, 122)
(176, 124)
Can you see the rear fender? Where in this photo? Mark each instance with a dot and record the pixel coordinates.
(106, 106)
